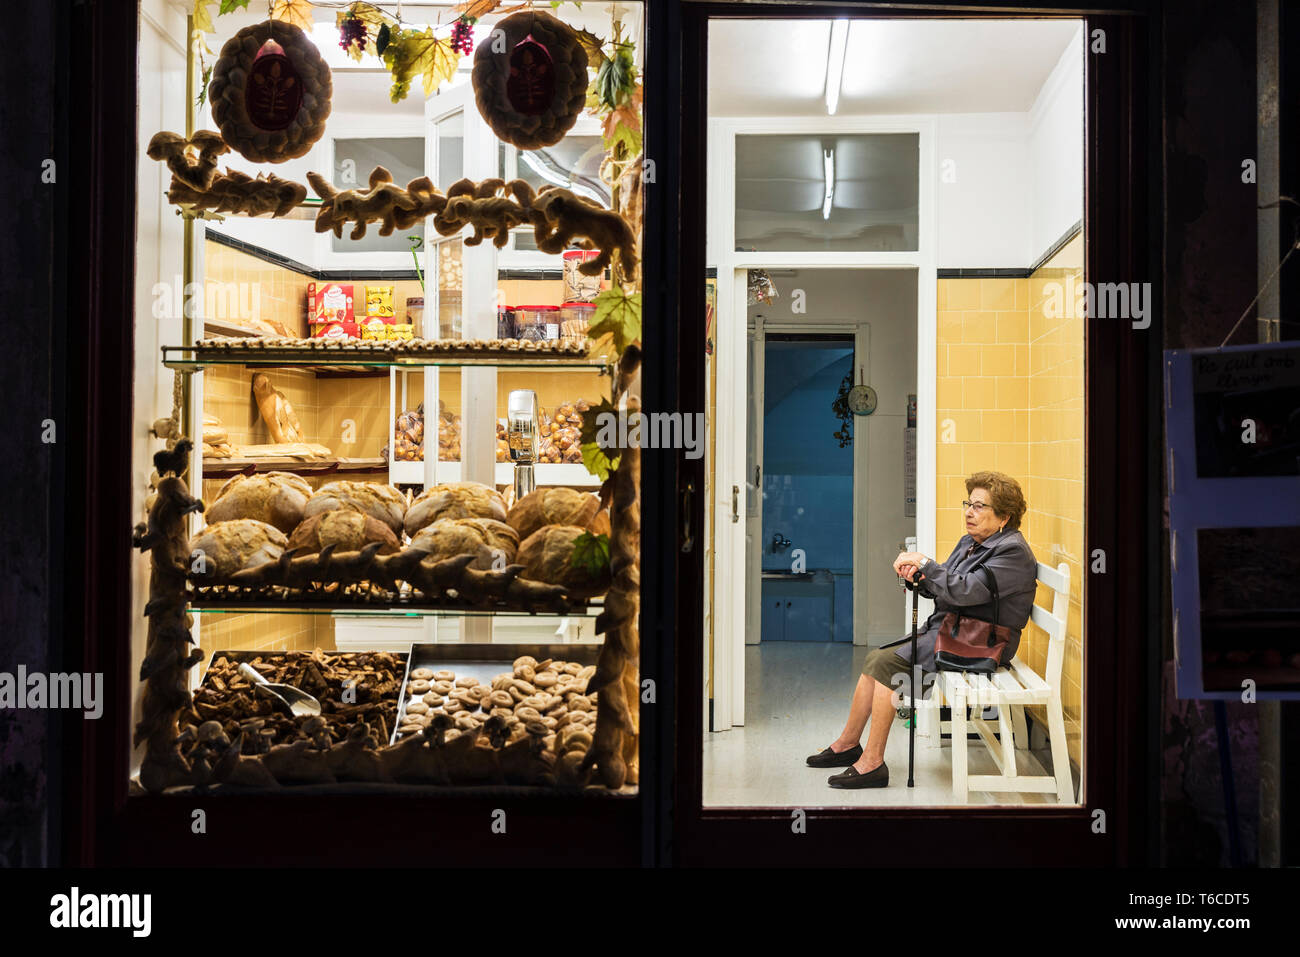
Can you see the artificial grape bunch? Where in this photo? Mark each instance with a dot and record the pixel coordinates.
(462, 35)
(352, 30)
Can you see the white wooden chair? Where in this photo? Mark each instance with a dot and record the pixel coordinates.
(1008, 691)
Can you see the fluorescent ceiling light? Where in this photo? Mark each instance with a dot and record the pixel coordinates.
(828, 170)
(835, 63)
(546, 173)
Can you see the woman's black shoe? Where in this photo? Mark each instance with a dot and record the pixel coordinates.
(830, 759)
(850, 778)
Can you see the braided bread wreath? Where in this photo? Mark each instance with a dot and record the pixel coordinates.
(270, 92)
(530, 79)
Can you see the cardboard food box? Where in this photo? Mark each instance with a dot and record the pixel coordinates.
(375, 324)
(335, 330)
(330, 302)
(379, 302)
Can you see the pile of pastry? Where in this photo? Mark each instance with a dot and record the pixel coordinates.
(538, 697)
(255, 519)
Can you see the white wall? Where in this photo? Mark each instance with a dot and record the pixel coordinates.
(983, 204)
(886, 298)
(1056, 131)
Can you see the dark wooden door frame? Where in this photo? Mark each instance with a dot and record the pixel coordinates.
(1121, 470)
(100, 823)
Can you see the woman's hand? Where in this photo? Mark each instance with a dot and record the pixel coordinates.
(908, 564)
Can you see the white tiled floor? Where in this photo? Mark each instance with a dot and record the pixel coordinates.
(796, 700)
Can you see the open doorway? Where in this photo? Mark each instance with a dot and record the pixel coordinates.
(915, 185)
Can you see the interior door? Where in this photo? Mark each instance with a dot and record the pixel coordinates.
(754, 487)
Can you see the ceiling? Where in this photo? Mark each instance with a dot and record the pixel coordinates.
(778, 67)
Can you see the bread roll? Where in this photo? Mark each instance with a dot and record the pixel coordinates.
(378, 501)
(454, 500)
(484, 537)
(545, 556)
(228, 547)
(346, 530)
(554, 506)
(277, 498)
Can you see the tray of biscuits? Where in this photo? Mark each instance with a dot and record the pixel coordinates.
(519, 683)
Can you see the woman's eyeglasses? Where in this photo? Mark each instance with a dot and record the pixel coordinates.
(978, 506)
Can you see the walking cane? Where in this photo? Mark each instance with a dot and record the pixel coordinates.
(911, 725)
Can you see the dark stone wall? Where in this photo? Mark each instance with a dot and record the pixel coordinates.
(27, 251)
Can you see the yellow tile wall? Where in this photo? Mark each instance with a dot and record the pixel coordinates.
(1010, 397)
(279, 294)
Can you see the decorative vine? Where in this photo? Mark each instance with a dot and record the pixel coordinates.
(840, 406)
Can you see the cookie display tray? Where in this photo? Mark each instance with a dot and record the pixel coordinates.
(484, 661)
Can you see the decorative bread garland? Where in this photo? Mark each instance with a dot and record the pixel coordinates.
(270, 92)
(530, 79)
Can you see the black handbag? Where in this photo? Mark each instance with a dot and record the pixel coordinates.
(971, 644)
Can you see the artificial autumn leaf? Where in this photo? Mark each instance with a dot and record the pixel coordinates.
(599, 460)
(230, 6)
(618, 314)
(297, 12)
(475, 8)
(623, 125)
(438, 63)
(203, 85)
(410, 52)
(591, 554)
(592, 44)
(203, 19)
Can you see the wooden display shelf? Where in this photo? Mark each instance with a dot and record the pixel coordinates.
(218, 327)
(571, 474)
(227, 468)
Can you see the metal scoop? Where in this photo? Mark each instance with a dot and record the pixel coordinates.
(292, 701)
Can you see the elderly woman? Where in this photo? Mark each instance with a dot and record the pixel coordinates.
(993, 509)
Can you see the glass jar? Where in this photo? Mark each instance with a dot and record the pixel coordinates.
(537, 323)
(415, 316)
(575, 319)
(505, 322)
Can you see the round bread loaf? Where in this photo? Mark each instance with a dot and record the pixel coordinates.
(449, 537)
(369, 498)
(557, 506)
(545, 556)
(454, 500)
(346, 530)
(227, 547)
(277, 498)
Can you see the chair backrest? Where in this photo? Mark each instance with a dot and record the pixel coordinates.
(1054, 622)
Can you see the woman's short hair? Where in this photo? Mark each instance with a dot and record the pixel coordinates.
(1005, 495)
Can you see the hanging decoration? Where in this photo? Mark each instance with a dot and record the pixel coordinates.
(270, 92)
(759, 288)
(530, 79)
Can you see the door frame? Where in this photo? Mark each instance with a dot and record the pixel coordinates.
(1122, 200)
(729, 599)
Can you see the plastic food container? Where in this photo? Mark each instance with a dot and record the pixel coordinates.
(577, 287)
(505, 322)
(537, 323)
(575, 318)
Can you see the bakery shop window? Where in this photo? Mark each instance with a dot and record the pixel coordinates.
(378, 538)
